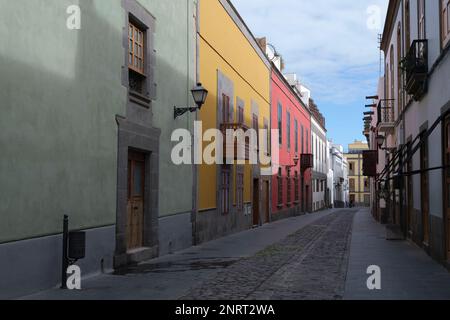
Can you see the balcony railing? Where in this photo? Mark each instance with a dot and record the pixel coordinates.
(415, 66)
(240, 149)
(385, 112)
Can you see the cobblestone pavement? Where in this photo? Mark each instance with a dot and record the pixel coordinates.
(310, 264)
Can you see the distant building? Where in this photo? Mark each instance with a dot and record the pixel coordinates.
(319, 150)
(358, 184)
(339, 184)
(330, 175)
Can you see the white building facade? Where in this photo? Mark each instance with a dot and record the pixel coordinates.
(410, 125)
(340, 176)
(320, 169)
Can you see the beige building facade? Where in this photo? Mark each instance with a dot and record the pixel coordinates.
(359, 186)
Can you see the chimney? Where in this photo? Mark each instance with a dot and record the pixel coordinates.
(262, 42)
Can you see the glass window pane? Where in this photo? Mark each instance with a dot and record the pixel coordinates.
(448, 18)
(138, 187)
(448, 195)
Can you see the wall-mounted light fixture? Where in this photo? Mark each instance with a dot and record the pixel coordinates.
(199, 93)
(380, 141)
(296, 161)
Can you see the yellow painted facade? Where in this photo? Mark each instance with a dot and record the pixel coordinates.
(225, 48)
(359, 184)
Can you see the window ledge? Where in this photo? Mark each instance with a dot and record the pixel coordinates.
(139, 99)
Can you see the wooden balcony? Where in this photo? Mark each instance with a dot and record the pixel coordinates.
(415, 66)
(306, 161)
(370, 161)
(240, 149)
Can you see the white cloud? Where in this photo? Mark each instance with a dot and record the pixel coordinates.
(326, 42)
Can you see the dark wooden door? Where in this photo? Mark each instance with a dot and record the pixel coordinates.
(135, 210)
(352, 200)
(256, 202)
(425, 197)
(446, 194)
(265, 202)
(302, 194)
(409, 181)
(307, 197)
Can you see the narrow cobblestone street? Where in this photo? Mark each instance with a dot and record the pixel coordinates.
(321, 256)
(310, 264)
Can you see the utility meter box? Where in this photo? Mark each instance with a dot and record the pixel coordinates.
(77, 245)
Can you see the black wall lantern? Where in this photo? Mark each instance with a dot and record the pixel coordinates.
(296, 161)
(380, 141)
(199, 93)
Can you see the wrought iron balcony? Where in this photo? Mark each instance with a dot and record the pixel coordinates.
(415, 66)
(385, 111)
(240, 149)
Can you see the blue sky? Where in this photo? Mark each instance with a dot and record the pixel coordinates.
(332, 46)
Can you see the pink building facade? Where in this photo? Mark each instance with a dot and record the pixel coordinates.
(291, 185)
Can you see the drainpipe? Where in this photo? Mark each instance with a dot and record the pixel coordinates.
(194, 165)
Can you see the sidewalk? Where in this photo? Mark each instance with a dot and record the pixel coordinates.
(171, 277)
(407, 273)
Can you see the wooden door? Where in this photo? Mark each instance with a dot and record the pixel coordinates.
(409, 181)
(256, 202)
(307, 197)
(302, 195)
(265, 202)
(446, 194)
(352, 200)
(424, 183)
(135, 209)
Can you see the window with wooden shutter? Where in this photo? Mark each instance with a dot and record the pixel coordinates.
(267, 140)
(225, 189)
(445, 22)
(352, 185)
(280, 123)
(256, 128)
(240, 115)
(280, 187)
(421, 19)
(226, 114)
(136, 49)
(407, 25)
(289, 185)
(288, 130)
(296, 136)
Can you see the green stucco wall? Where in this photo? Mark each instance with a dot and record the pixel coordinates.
(60, 91)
